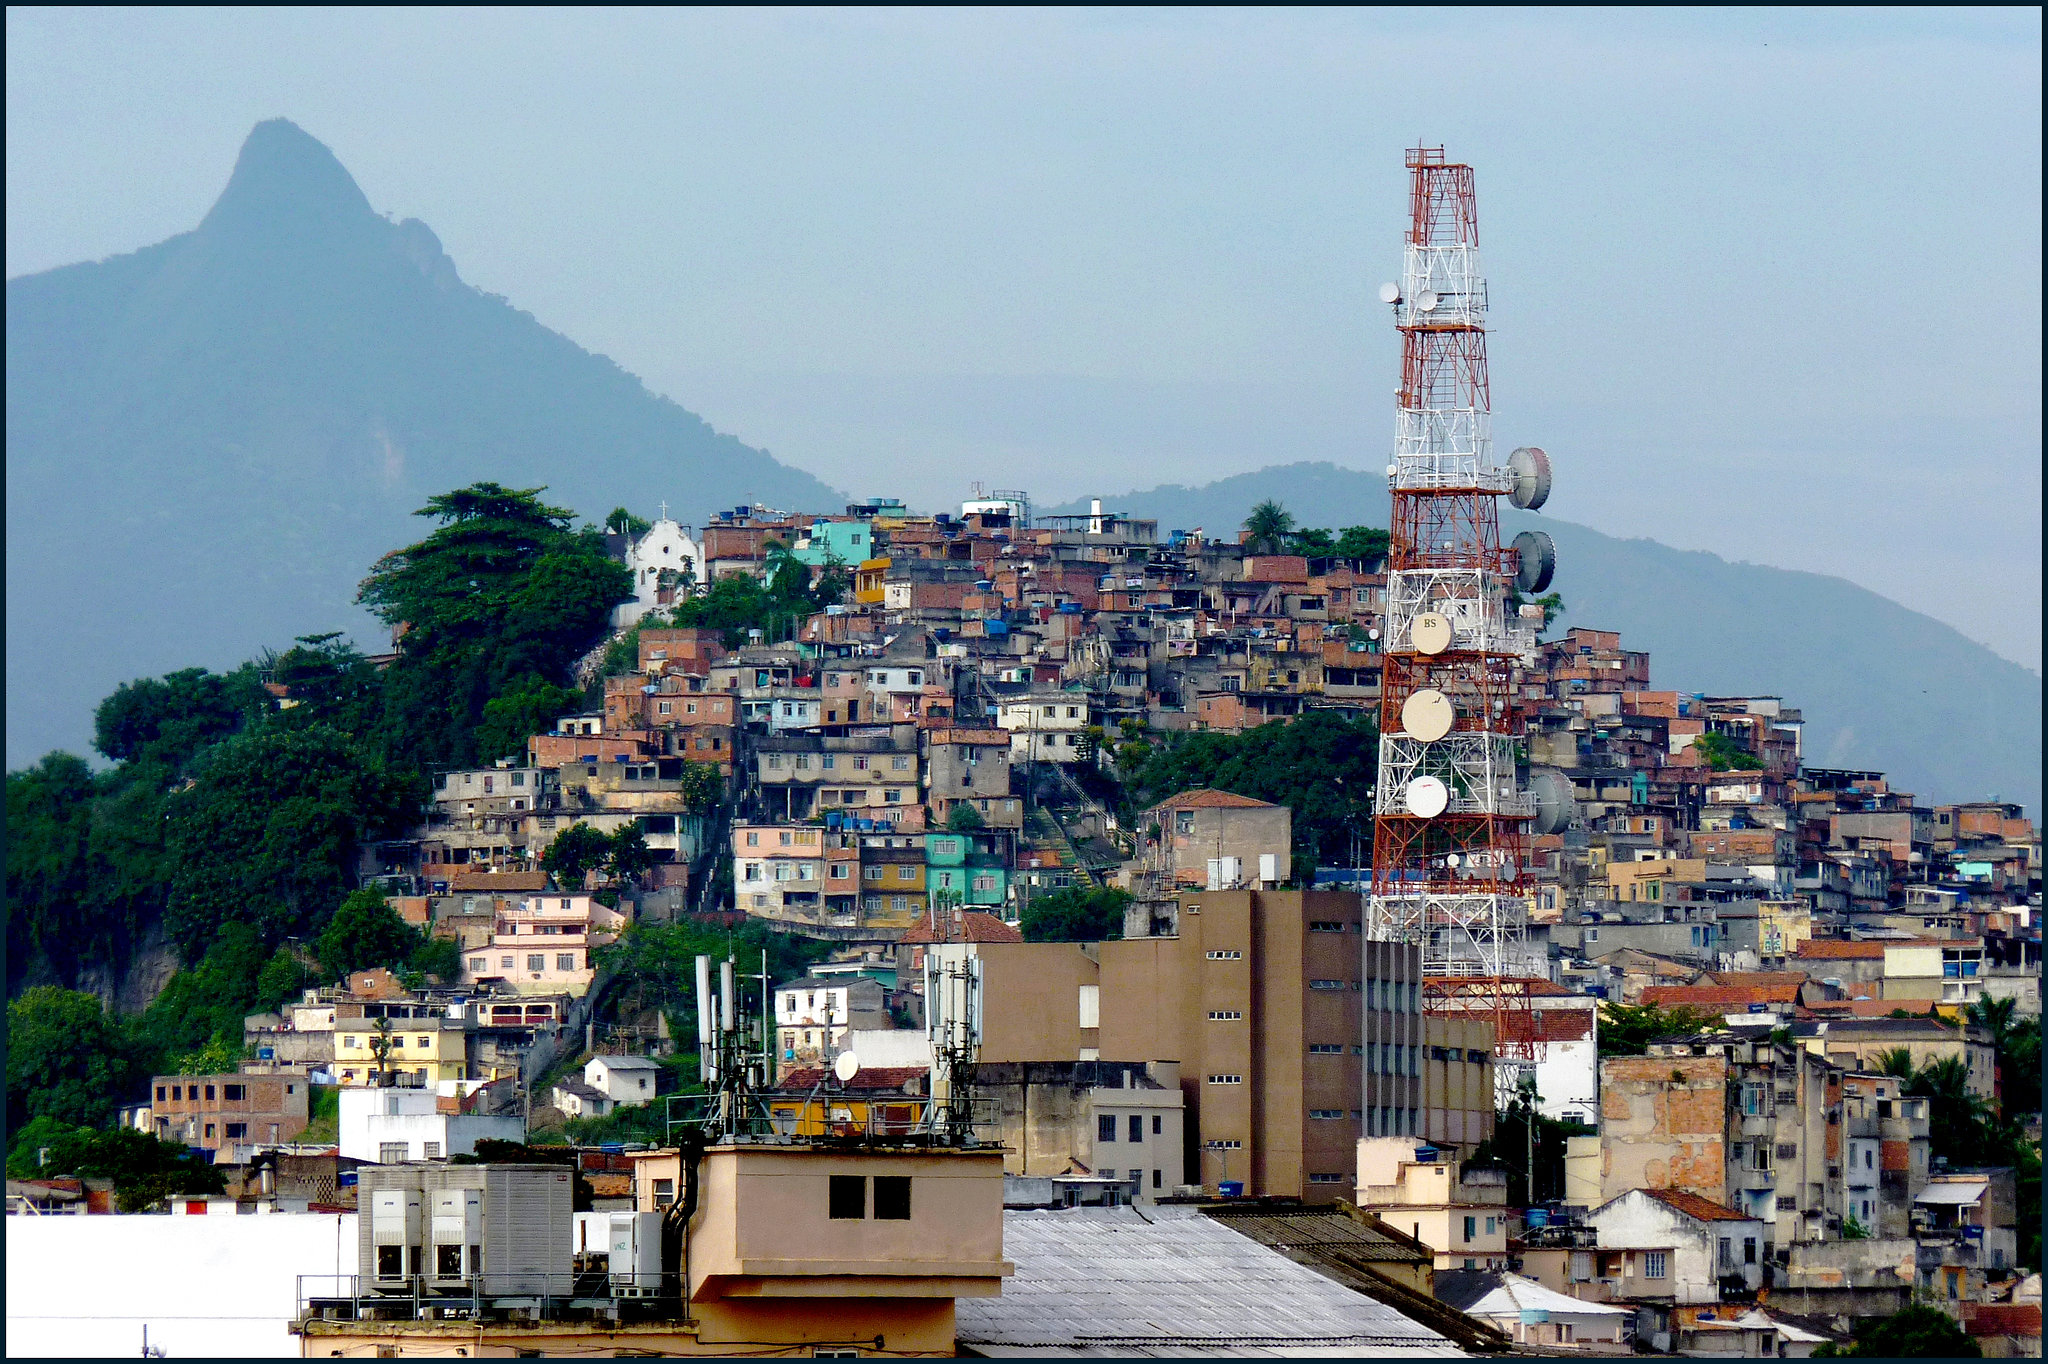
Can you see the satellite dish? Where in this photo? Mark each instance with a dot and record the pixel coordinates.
(1390, 293)
(1427, 715)
(1430, 633)
(1426, 301)
(1393, 469)
(846, 1067)
(1426, 797)
(1535, 560)
(1553, 795)
(1530, 468)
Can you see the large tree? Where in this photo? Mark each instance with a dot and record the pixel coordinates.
(1270, 525)
(270, 832)
(364, 933)
(66, 1059)
(501, 592)
(1075, 914)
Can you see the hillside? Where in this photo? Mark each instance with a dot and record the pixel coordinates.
(1881, 686)
(209, 441)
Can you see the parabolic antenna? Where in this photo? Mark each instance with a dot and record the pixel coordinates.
(1390, 293)
(1531, 470)
(846, 1067)
(1536, 560)
(1553, 795)
(1427, 715)
(1426, 797)
(1426, 301)
(1430, 633)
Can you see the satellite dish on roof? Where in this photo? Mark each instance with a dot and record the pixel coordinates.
(1426, 797)
(1426, 301)
(1553, 793)
(1427, 715)
(846, 1067)
(1390, 293)
(1430, 633)
(1530, 468)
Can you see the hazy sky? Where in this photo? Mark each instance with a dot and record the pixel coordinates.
(1764, 282)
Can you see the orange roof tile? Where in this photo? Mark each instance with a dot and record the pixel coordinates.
(499, 880)
(1707, 996)
(1834, 949)
(973, 926)
(2004, 1319)
(1692, 1205)
(1208, 798)
(1545, 1025)
(892, 1078)
(1745, 979)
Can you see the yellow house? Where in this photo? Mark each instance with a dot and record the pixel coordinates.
(1782, 925)
(1646, 880)
(1460, 1214)
(426, 1045)
(868, 580)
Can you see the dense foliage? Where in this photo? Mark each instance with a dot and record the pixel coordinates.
(1322, 766)
(501, 595)
(145, 1169)
(1075, 914)
(1628, 1029)
(66, 1059)
(1919, 1332)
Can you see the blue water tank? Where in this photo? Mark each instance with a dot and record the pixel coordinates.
(1230, 1188)
(1537, 1217)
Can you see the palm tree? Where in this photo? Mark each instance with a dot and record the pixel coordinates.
(1897, 1062)
(1270, 524)
(1995, 1017)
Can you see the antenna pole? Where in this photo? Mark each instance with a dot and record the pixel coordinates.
(1451, 822)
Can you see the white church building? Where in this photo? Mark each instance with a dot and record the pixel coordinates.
(667, 565)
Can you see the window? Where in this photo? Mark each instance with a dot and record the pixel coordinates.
(1137, 1127)
(504, 964)
(1325, 926)
(209, 1092)
(1326, 1048)
(1749, 1250)
(1158, 1126)
(159, 1093)
(1184, 821)
(431, 1150)
(1760, 1156)
(1326, 985)
(234, 1093)
(565, 961)
(1225, 1015)
(892, 1198)
(1788, 1202)
(391, 1153)
(1471, 1228)
(537, 962)
(237, 1131)
(477, 963)
(417, 1041)
(1653, 1264)
(900, 763)
(1155, 1173)
(1326, 1112)
(1226, 956)
(1105, 1127)
(1226, 1079)
(1321, 1178)
(847, 1198)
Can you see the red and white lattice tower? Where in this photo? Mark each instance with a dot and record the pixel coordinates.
(1452, 821)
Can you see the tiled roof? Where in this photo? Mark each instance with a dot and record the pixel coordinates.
(499, 880)
(1710, 996)
(1692, 1205)
(2004, 1319)
(1745, 979)
(1208, 798)
(973, 926)
(1545, 1025)
(1833, 949)
(870, 1079)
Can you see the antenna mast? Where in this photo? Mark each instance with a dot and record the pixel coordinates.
(1451, 821)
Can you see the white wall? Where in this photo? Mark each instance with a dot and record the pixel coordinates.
(367, 1123)
(1568, 1078)
(80, 1287)
(889, 1048)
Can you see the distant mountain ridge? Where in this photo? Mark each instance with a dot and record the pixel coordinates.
(210, 440)
(1881, 686)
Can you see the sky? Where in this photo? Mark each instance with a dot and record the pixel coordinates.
(1764, 282)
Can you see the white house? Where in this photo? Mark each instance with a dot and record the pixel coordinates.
(577, 1099)
(662, 561)
(1526, 1310)
(815, 1015)
(1664, 1244)
(1045, 726)
(623, 1079)
(393, 1125)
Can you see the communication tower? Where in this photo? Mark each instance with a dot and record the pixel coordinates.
(1453, 815)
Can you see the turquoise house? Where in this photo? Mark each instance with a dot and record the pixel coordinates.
(847, 541)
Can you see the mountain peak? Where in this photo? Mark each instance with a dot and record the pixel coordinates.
(288, 184)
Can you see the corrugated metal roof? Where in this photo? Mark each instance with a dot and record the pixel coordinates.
(1171, 1282)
